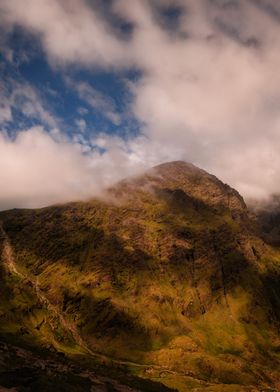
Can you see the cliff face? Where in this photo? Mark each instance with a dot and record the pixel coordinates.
(167, 276)
(194, 182)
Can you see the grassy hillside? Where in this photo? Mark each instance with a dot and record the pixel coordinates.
(168, 278)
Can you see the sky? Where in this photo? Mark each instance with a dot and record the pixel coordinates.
(93, 91)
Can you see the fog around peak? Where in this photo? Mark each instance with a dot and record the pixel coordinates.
(206, 91)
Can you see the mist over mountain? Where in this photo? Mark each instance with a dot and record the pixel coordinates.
(170, 282)
(95, 91)
(139, 195)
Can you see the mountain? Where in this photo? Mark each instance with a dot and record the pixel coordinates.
(167, 283)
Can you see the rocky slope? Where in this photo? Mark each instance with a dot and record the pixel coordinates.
(168, 278)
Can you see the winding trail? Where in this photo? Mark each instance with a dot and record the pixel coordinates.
(8, 256)
(10, 265)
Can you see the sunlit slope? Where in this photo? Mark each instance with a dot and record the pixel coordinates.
(166, 275)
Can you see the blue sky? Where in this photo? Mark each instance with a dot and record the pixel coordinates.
(93, 91)
(102, 105)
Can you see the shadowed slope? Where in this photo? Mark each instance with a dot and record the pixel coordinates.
(166, 276)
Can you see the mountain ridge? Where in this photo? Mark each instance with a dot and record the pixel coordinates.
(168, 272)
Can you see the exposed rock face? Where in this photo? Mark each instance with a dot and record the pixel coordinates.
(168, 271)
(199, 185)
(196, 183)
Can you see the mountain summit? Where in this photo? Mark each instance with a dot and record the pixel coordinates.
(167, 278)
(194, 182)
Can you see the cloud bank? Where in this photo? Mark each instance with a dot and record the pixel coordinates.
(41, 168)
(208, 92)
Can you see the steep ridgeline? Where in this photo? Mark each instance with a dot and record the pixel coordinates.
(166, 279)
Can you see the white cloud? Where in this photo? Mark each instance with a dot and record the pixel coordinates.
(25, 99)
(5, 113)
(81, 124)
(209, 91)
(38, 169)
(82, 111)
(96, 100)
(70, 31)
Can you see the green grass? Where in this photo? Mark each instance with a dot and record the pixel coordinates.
(135, 276)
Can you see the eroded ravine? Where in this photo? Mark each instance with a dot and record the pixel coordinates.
(11, 267)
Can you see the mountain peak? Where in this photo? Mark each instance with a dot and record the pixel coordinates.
(188, 178)
(172, 276)
(178, 169)
(176, 164)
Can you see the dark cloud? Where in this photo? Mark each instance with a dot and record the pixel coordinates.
(271, 8)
